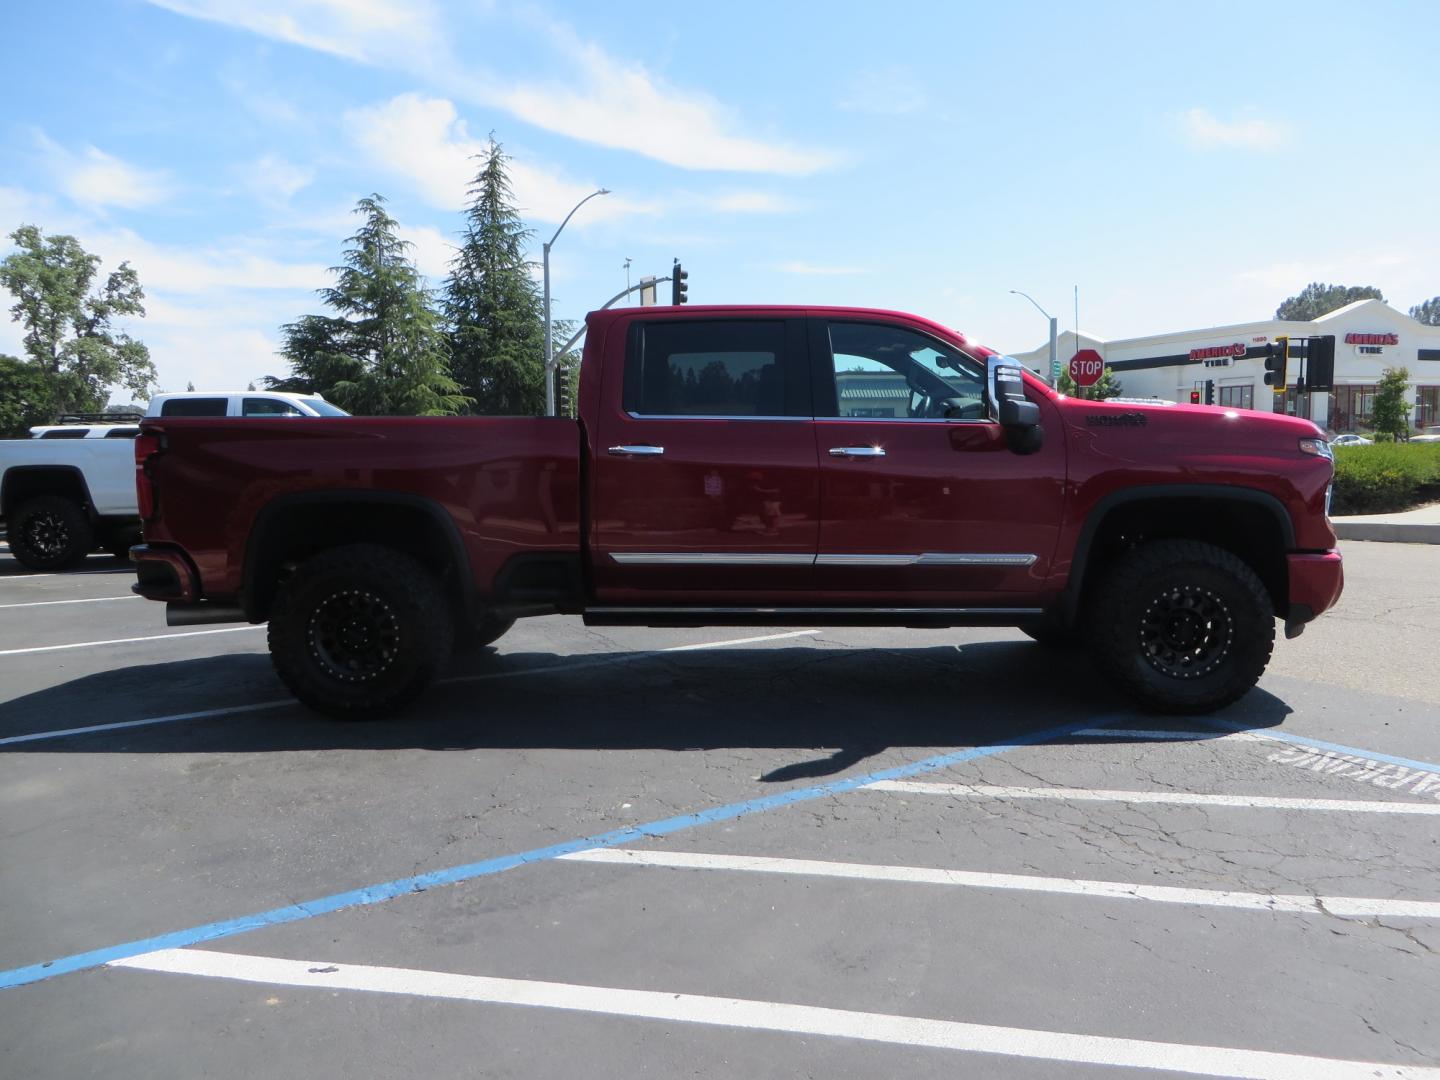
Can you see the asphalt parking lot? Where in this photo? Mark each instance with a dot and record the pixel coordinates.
(716, 852)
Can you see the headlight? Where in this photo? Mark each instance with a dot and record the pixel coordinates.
(1317, 447)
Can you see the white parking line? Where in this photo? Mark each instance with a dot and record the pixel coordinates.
(910, 1031)
(237, 709)
(51, 603)
(66, 574)
(1345, 906)
(1179, 798)
(127, 640)
(202, 715)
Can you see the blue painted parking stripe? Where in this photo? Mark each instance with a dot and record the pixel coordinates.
(1319, 744)
(389, 890)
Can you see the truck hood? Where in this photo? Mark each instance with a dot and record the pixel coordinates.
(1201, 429)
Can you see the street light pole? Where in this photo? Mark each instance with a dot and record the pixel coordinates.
(1054, 360)
(549, 355)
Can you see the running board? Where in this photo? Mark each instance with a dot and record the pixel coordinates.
(920, 618)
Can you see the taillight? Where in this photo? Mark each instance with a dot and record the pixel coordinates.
(147, 445)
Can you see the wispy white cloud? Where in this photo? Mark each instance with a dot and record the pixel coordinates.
(370, 31)
(94, 179)
(819, 269)
(1205, 131)
(195, 270)
(273, 179)
(601, 99)
(620, 104)
(425, 140)
(884, 92)
(431, 251)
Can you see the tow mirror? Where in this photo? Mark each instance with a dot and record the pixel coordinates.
(1020, 417)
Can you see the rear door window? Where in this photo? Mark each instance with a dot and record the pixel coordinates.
(711, 368)
(194, 407)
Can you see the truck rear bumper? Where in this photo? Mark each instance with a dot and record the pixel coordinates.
(1316, 581)
(163, 572)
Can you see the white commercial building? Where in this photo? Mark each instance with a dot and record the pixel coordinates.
(1370, 336)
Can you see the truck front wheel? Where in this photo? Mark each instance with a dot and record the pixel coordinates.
(1182, 626)
(51, 532)
(359, 631)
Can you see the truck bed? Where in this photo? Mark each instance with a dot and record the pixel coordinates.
(510, 485)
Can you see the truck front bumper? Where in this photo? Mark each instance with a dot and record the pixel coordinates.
(1316, 581)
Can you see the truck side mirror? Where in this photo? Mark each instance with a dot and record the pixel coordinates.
(1005, 398)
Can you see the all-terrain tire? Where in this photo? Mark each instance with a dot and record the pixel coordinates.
(51, 532)
(1181, 626)
(359, 631)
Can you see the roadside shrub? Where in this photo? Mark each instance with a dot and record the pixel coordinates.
(1385, 478)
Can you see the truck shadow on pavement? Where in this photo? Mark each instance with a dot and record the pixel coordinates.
(838, 705)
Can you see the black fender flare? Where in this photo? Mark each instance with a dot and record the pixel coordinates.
(1080, 563)
(255, 602)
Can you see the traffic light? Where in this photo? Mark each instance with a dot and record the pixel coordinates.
(1277, 356)
(562, 390)
(679, 290)
(1321, 367)
(1194, 397)
(1209, 391)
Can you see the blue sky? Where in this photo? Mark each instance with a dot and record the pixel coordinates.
(1184, 165)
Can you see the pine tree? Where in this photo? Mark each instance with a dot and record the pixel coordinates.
(384, 352)
(494, 311)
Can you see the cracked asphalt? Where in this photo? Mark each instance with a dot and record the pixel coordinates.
(561, 732)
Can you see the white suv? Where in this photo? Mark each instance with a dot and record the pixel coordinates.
(240, 403)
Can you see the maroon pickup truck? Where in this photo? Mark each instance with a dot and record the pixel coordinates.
(752, 466)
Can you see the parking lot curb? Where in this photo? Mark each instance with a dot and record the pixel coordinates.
(1387, 532)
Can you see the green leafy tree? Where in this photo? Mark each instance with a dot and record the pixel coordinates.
(384, 352)
(1317, 299)
(1108, 386)
(494, 311)
(1391, 413)
(70, 337)
(24, 398)
(1428, 312)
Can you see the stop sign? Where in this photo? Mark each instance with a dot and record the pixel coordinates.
(1086, 367)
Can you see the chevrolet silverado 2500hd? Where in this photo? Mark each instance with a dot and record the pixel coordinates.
(752, 466)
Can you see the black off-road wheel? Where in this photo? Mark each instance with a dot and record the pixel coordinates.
(1181, 626)
(357, 632)
(51, 532)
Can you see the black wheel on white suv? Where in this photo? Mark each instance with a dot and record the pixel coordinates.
(1181, 626)
(359, 631)
(51, 532)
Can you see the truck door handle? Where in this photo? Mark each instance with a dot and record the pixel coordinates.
(637, 451)
(857, 451)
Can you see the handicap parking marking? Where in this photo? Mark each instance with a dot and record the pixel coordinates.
(1353, 763)
(390, 890)
(773, 1016)
(1174, 798)
(1357, 907)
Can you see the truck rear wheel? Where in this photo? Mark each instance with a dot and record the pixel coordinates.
(359, 631)
(51, 532)
(1182, 626)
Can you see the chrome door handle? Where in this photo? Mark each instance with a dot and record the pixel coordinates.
(637, 451)
(857, 451)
